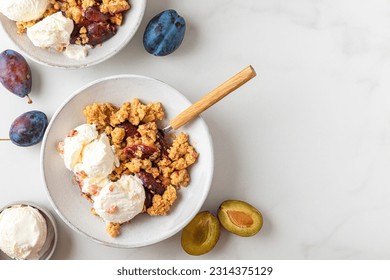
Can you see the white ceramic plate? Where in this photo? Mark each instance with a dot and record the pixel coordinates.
(75, 210)
(125, 32)
(52, 235)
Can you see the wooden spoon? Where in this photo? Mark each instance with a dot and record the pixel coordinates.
(211, 98)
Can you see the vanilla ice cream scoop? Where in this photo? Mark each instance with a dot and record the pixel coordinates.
(75, 143)
(120, 201)
(97, 158)
(23, 232)
(52, 32)
(23, 10)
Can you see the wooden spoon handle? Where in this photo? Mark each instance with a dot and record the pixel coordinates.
(213, 97)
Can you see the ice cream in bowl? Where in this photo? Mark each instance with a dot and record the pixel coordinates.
(27, 232)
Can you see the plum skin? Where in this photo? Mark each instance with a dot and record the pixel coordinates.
(28, 129)
(15, 73)
(164, 33)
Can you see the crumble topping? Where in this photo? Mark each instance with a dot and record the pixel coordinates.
(162, 203)
(107, 14)
(142, 150)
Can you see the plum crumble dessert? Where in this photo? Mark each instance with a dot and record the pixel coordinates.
(123, 163)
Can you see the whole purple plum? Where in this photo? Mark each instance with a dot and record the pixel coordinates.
(164, 33)
(28, 129)
(15, 73)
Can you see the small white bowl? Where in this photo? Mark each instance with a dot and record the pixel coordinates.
(132, 20)
(65, 196)
(52, 235)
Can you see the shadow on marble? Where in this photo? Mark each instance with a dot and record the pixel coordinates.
(64, 242)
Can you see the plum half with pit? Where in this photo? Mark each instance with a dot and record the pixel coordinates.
(28, 129)
(15, 73)
(239, 217)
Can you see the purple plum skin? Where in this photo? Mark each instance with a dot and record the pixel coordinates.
(164, 33)
(15, 73)
(28, 129)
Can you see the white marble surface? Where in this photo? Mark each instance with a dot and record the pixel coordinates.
(307, 141)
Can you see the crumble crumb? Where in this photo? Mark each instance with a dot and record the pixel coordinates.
(114, 6)
(162, 203)
(113, 229)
